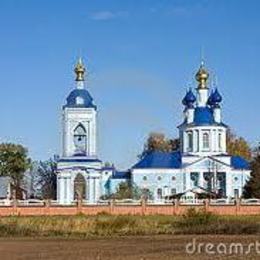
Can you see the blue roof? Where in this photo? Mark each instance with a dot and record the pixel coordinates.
(82, 93)
(216, 97)
(189, 99)
(237, 162)
(160, 160)
(203, 116)
(121, 175)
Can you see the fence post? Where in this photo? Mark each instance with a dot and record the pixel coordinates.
(238, 203)
(143, 205)
(79, 205)
(206, 207)
(176, 207)
(47, 203)
(15, 204)
(111, 206)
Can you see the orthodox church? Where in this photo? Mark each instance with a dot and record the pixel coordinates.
(201, 164)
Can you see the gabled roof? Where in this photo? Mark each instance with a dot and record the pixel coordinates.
(237, 162)
(158, 159)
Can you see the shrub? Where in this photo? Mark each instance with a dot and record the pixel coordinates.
(195, 217)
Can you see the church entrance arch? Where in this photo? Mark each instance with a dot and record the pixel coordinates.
(79, 187)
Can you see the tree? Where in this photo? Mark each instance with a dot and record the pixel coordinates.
(47, 178)
(238, 146)
(158, 142)
(252, 187)
(14, 162)
(126, 190)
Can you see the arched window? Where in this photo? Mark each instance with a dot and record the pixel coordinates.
(79, 187)
(220, 141)
(205, 141)
(190, 141)
(79, 100)
(159, 193)
(80, 139)
(173, 191)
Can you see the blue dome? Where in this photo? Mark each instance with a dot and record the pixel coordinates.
(80, 98)
(216, 97)
(210, 101)
(189, 99)
(203, 116)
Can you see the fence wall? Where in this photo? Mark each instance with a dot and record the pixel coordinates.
(114, 209)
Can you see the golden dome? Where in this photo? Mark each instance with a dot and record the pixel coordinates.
(80, 70)
(202, 76)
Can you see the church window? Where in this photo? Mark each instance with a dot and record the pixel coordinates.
(173, 178)
(190, 141)
(79, 101)
(145, 178)
(194, 176)
(235, 179)
(205, 141)
(80, 139)
(159, 178)
(159, 193)
(173, 191)
(79, 187)
(219, 141)
(236, 193)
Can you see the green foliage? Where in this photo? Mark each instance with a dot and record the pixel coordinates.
(238, 146)
(158, 142)
(103, 225)
(126, 190)
(197, 217)
(252, 187)
(14, 162)
(47, 178)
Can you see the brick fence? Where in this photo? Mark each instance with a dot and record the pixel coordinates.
(141, 209)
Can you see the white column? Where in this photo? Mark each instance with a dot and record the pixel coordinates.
(223, 141)
(184, 142)
(61, 190)
(71, 184)
(194, 141)
(97, 189)
(202, 98)
(201, 180)
(91, 189)
(200, 140)
(188, 186)
(211, 135)
(228, 184)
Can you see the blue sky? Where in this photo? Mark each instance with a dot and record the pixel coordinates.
(141, 56)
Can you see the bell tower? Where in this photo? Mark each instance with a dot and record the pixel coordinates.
(79, 119)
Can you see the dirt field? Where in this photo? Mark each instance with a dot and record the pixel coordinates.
(127, 248)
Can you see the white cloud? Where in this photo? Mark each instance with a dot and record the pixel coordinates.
(107, 15)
